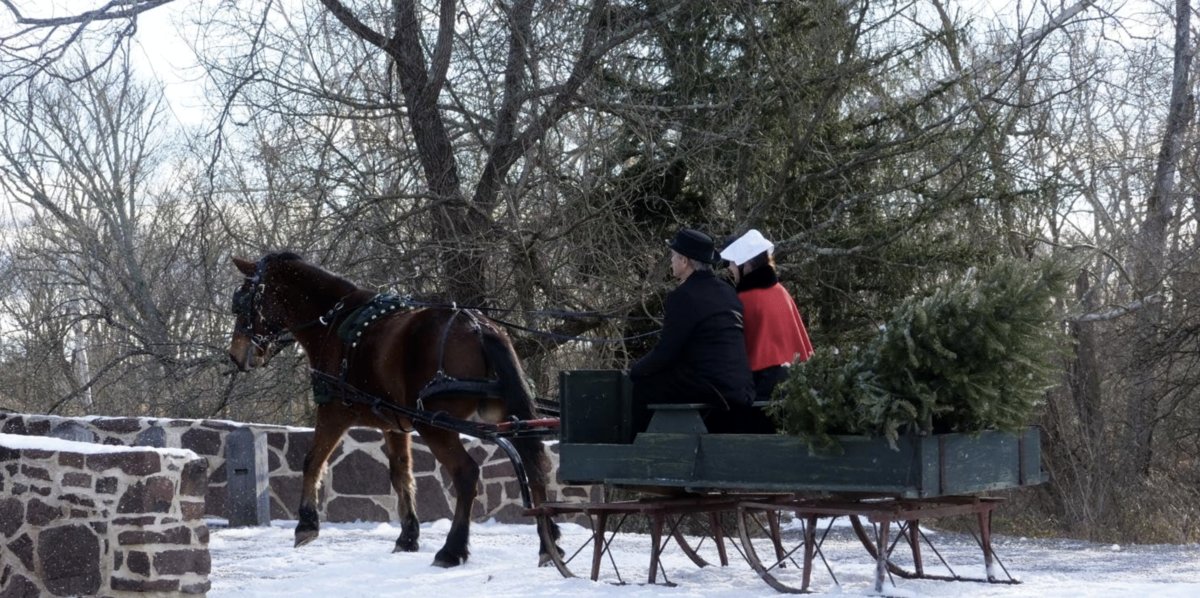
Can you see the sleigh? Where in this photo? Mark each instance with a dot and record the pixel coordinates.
(682, 477)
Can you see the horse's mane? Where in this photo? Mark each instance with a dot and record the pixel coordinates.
(327, 280)
(285, 255)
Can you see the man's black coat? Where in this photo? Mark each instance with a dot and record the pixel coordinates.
(702, 334)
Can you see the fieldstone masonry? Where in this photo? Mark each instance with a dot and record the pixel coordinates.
(83, 520)
(356, 485)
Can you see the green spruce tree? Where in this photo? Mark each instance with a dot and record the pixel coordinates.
(977, 353)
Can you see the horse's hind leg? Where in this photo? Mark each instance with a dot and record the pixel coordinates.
(464, 475)
(532, 453)
(325, 439)
(398, 446)
(538, 495)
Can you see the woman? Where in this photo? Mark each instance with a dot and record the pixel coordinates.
(775, 334)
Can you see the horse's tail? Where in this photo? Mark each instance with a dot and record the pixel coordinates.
(503, 359)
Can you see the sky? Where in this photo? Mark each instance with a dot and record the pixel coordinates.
(350, 560)
(161, 50)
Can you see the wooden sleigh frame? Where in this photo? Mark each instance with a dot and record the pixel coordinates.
(885, 491)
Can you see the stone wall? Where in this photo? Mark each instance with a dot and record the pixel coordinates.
(78, 519)
(356, 484)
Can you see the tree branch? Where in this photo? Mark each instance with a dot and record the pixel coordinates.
(440, 61)
(591, 50)
(113, 10)
(1116, 312)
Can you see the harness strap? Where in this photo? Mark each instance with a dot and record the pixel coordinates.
(378, 307)
(443, 384)
(356, 322)
(352, 327)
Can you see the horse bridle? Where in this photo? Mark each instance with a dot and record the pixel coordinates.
(247, 307)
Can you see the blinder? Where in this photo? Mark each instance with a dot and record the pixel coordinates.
(243, 301)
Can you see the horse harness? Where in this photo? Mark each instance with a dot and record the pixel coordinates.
(379, 307)
(247, 305)
(324, 386)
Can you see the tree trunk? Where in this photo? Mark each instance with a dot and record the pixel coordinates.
(1150, 249)
(1084, 370)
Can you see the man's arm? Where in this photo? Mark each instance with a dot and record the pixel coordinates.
(678, 321)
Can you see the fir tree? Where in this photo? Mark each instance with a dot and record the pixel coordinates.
(976, 354)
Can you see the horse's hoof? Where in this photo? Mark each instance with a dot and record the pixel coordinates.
(545, 560)
(406, 546)
(446, 561)
(303, 538)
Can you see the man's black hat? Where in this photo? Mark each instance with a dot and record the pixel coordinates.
(695, 245)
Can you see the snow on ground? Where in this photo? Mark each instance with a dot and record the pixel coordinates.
(356, 560)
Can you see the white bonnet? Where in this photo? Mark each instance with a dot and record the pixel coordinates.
(746, 247)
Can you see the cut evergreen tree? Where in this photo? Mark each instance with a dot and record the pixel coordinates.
(976, 354)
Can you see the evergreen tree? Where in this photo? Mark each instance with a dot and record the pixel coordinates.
(976, 354)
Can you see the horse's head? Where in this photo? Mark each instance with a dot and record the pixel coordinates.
(259, 330)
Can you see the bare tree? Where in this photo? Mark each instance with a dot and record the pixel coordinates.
(1150, 248)
(533, 156)
(82, 160)
(1120, 429)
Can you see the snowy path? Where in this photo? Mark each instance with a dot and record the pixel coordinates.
(355, 560)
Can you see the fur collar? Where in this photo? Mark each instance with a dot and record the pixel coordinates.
(761, 278)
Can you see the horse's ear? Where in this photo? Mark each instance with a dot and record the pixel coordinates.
(246, 267)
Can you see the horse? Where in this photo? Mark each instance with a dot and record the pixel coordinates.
(357, 343)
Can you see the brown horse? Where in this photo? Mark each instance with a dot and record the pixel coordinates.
(390, 351)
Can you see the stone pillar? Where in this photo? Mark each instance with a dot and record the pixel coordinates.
(87, 521)
(249, 500)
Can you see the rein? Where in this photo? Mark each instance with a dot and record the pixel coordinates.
(569, 337)
(562, 314)
(249, 305)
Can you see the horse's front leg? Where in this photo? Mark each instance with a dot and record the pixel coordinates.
(398, 447)
(325, 439)
(464, 475)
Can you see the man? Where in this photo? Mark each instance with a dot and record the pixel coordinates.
(701, 354)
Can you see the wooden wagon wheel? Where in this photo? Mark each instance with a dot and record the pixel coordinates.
(758, 525)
